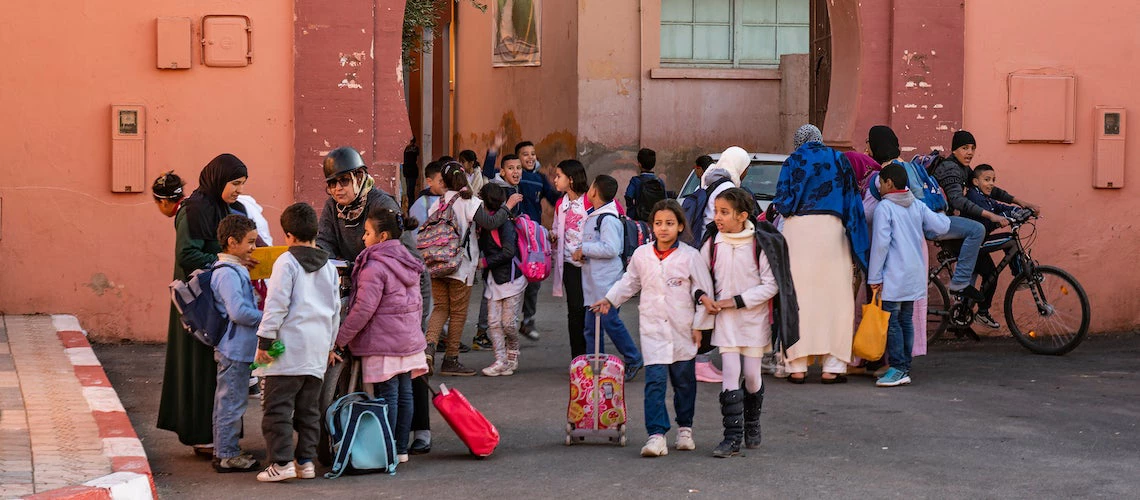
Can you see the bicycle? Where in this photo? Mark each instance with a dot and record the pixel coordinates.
(1046, 309)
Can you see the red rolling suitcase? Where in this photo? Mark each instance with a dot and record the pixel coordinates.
(478, 433)
(597, 395)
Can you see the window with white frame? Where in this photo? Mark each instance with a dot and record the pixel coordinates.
(732, 33)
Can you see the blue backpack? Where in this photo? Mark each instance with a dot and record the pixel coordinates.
(361, 436)
(694, 204)
(634, 234)
(922, 184)
(194, 300)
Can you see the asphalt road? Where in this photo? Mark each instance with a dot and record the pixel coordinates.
(984, 419)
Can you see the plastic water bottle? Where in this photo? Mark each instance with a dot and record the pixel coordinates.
(275, 350)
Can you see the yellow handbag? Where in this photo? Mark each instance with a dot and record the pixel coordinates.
(871, 338)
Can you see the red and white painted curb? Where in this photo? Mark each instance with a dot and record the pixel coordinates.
(131, 477)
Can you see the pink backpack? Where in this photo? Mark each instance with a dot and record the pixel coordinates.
(534, 249)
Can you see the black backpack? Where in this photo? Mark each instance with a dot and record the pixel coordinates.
(652, 191)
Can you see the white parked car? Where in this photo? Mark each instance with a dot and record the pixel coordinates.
(760, 179)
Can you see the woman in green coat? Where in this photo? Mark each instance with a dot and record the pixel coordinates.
(189, 379)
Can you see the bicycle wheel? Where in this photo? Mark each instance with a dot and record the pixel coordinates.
(1047, 310)
(937, 308)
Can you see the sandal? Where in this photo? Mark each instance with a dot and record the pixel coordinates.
(797, 381)
(839, 378)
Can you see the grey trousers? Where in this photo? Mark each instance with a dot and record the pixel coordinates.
(291, 403)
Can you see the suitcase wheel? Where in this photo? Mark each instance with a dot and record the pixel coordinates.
(622, 440)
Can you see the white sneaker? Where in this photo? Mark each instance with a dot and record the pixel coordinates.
(655, 447)
(275, 473)
(685, 439)
(403, 458)
(306, 470)
(497, 369)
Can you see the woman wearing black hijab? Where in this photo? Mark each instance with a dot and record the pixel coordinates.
(187, 404)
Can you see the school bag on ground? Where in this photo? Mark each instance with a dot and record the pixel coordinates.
(440, 243)
(597, 395)
(194, 300)
(534, 249)
(922, 184)
(652, 191)
(694, 204)
(634, 234)
(478, 433)
(361, 436)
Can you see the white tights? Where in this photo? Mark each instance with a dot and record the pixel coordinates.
(730, 366)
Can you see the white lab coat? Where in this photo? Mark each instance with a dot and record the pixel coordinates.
(737, 272)
(667, 311)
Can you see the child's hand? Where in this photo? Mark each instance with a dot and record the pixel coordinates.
(601, 306)
(697, 337)
(498, 142)
(553, 238)
(726, 304)
(877, 287)
(710, 305)
(513, 200)
(334, 359)
(262, 357)
(577, 255)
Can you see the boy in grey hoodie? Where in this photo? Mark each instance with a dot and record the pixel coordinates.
(302, 310)
(897, 236)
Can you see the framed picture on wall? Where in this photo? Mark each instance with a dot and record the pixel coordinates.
(515, 39)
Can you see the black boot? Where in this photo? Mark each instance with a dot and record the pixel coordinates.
(732, 409)
(753, 401)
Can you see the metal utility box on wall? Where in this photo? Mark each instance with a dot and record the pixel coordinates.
(174, 42)
(227, 41)
(1109, 128)
(1041, 108)
(128, 148)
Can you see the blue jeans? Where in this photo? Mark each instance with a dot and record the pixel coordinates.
(900, 334)
(683, 376)
(972, 233)
(230, 400)
(613, 326)
(397, 392)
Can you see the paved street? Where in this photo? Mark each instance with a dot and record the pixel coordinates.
(982, 419)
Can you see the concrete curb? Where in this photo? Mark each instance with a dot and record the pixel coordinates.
(131, 477)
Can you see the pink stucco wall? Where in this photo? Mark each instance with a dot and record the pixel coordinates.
(67, 244)
(1090, 232)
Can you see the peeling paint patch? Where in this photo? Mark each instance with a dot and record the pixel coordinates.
(907, 149)
(910, 106)
(100, 284)
(919, 117)
(938, 106)
(349, 82)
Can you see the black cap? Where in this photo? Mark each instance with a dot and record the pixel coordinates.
(167, 186)
(884, 143)
(341, 160)
(962, 138)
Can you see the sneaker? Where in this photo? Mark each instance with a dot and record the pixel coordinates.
(768, 363)
(527, 330)
(403, 458)
(984, 318)
(241, 463)
(893, 377)
(631, 371)
(307, 470)
(420, 447)
(275, 473)
(452, 367)
(969, 292)
(204, 450)
(655, 447)
(706, 372)
(482, 342)
(442, 347)
(685, 439)
(499, 368)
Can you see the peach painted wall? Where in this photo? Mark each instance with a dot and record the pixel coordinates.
(534, 103)
(68, 244)
(1089, 232)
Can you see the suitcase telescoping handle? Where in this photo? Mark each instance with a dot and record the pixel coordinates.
(597, 365)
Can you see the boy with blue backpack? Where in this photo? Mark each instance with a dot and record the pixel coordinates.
(645, 189)
(234, 299)
(603, 241)
(302, 310)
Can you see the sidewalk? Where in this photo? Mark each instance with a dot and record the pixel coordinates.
(63, 431)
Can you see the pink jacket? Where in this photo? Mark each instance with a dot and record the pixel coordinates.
(384, 312)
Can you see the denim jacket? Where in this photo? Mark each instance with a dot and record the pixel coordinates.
(234, 296)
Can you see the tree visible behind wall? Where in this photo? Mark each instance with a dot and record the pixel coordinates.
(420, 15)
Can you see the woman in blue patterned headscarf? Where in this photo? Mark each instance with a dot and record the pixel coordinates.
(826, 231)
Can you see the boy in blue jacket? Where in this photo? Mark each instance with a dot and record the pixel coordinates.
(898, 237)
(982, 193)
(600, 253)
(234, 297)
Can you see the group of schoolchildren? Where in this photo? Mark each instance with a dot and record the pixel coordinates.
(728, 277)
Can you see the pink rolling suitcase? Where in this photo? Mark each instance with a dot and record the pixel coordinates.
(597, 395)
